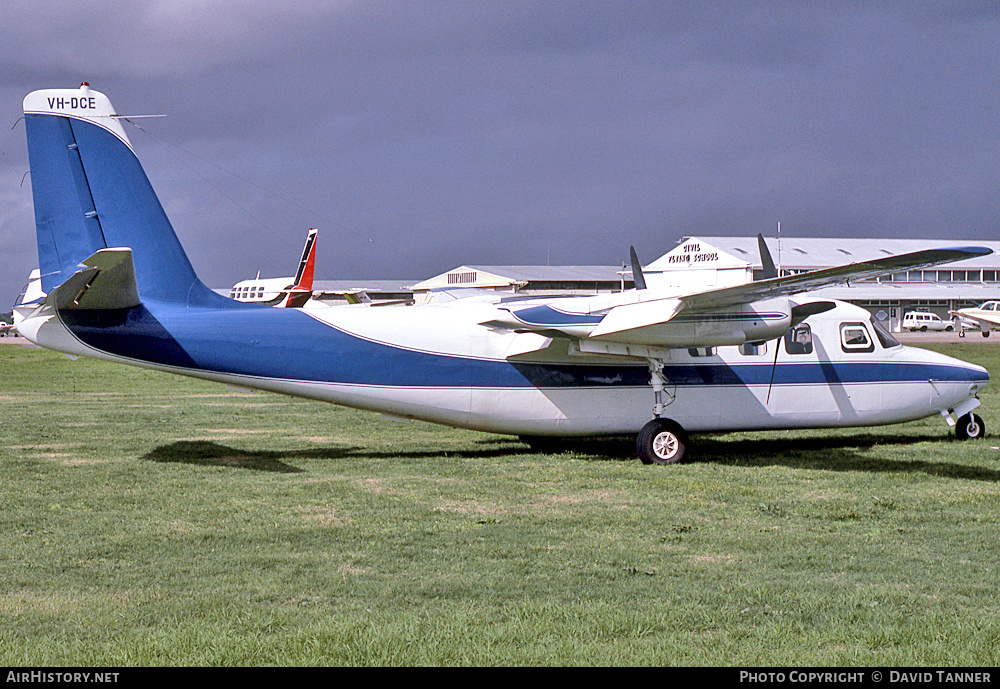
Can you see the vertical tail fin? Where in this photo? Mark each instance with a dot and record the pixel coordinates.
(90, 193)
(301, 289)
(307, 264)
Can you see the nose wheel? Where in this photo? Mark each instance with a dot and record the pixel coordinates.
(970, 427)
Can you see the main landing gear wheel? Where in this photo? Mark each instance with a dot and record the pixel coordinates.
(970, 427)
(661, 441)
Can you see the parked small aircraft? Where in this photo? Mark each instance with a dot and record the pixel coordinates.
(291, 292)
(763, 355)
(986, 317)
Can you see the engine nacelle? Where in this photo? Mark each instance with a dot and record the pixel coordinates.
(644, 324)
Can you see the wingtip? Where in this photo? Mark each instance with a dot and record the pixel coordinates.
(975, 250)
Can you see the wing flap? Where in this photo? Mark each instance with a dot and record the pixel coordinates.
(638, 317)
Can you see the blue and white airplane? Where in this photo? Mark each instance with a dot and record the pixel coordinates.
(650, 362)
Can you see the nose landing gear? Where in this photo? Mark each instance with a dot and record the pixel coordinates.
(970, 427)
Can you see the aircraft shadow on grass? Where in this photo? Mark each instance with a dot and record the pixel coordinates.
(207, 453)
(848, 453)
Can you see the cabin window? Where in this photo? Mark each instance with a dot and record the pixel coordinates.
(798, 340)
(885, 339)
(753, 348)
(854, 338)
(701, 351)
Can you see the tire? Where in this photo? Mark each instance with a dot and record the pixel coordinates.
(970, 427)
(661, 441)
(948, 328)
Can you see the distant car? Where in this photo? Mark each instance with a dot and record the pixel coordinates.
(924, 321)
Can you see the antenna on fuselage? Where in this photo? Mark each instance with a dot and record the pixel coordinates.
(779, 247)
(770, 271)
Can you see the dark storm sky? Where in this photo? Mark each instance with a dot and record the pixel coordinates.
(418, 136)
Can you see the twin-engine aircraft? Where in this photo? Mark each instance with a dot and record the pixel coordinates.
(650, 362)
(986, 317)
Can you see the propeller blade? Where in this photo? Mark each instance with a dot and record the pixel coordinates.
(765, 258)
(637, 277)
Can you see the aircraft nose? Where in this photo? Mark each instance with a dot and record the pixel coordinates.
(983, 376)
(978, 378)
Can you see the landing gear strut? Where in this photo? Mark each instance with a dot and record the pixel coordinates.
(661, 441)
(659, 383)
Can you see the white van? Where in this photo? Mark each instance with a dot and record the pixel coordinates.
(924, 321)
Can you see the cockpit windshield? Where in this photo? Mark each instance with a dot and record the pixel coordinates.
(885, 339)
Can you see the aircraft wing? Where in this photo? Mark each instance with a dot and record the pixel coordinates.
(826, 277)
(752, 312)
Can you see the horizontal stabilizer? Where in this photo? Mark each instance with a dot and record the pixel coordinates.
(106, 281)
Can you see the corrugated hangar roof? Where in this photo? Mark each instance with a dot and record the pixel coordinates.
(822, 252)
(554, 273)
(497, 276)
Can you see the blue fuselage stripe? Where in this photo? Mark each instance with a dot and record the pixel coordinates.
(287, 344)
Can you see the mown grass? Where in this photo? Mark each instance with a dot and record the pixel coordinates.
(155, 520)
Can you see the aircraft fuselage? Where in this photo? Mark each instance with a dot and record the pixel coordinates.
(439, 363)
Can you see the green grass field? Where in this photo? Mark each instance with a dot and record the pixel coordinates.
(151, 520)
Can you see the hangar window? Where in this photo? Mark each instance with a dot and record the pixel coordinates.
(854, 338)
(798, 340)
